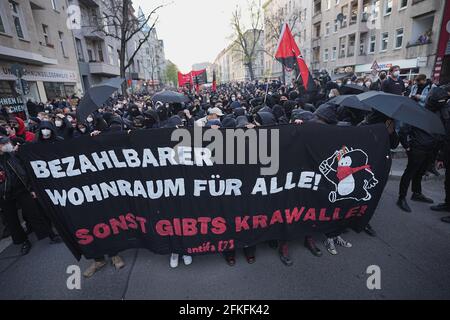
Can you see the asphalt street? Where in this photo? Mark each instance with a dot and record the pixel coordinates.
(411, 249)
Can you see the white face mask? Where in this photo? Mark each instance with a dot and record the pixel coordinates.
(69, 119)
(360, 84)
(396, 74)
(368, 84)
(82, 130)
(331, 95)
(7, 148)
(46, 133)
(58, 123)
(90, 119)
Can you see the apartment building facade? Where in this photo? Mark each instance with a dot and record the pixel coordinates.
(297, 14)
(356, 36)
(98, 54)
(35, 34)
(230, 63)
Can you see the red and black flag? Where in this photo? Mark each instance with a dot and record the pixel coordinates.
(289, 55)
(214, 83)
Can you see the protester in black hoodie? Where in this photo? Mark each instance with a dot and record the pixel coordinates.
(46, 133)
(438, 101)
(15, 192)
(420, 147)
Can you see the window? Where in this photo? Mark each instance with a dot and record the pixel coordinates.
(399, 38)
(336, 2)
(328, 3)
(336, 26)
(327, 28)
(387, 7)
(333, 53)
(317, 6)
(80, 53)
(351, 45)
(317, 30)
(372, 43)
(375, 9)
(354, 12)
(53, 4)
(100, 52)
(15, 11)
(111, 55)
(403, 4)
(105, 23)
(2, 26)
(362, 44)
(325, 55)
(342, 47)
(90, 55)
(384, 41)
(344, 11)
(45, 31)
(61, 43)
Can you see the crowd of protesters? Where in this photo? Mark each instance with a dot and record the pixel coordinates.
(233, 105)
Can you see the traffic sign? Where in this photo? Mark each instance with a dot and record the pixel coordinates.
(375, 66)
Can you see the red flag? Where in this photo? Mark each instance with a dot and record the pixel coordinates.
(183, 79)
(214, 84)
(290, 56)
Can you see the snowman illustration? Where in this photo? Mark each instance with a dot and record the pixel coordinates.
(350, 173)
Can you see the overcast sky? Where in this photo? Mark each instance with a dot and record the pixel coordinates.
(193, 31)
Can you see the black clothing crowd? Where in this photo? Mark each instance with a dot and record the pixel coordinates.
(233, 105)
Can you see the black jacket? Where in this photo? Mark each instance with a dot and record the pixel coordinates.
(15, 180)
(412, 137)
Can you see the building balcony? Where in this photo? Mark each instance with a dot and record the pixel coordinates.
(102, 68)
(93, 33)
(414, 50)
(421, 7)
(30, 57)
(90, 3)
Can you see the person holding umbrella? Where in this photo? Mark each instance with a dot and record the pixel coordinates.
(439, 101)
(420, 147)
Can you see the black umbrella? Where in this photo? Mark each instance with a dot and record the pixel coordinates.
(352, 89)
(340, 76)
(96, 96)
(403, 109)
(170, 97)
(350, 101)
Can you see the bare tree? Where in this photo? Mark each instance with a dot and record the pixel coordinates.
(274, 25)
(246, 40)
(119, 22)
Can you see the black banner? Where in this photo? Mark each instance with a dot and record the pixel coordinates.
(118, 191)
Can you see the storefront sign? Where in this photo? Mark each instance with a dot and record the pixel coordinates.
(33, 73)
(404, 64)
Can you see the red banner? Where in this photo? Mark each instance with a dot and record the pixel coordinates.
(190, 78)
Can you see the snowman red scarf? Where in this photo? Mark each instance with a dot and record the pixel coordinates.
(343, 171)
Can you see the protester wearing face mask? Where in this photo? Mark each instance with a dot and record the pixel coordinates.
(63, 126)
(393, 84)
(46, 133)
(80, 130)
(15, 192)
(333, 94)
